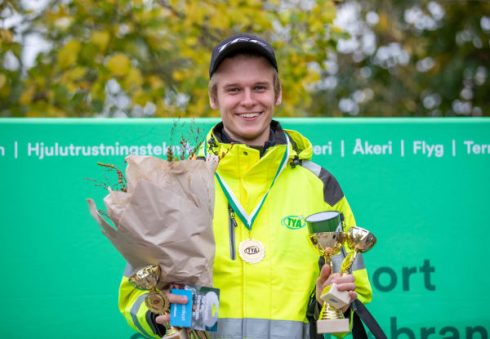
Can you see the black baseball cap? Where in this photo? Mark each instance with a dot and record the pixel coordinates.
(241, 43)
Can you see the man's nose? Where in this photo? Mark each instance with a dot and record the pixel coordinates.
(248, 97)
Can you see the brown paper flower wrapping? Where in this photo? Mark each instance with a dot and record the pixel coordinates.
(164, 218)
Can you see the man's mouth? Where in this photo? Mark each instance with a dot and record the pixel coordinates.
(248, 115)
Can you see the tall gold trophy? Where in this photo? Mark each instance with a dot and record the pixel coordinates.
(326, 234)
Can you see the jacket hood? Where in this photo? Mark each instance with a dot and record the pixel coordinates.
(301, 146)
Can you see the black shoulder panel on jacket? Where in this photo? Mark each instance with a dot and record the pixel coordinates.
(332, 193)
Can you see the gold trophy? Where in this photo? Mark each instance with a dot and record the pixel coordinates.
(146, 278)
(359, 240)
(326, 234)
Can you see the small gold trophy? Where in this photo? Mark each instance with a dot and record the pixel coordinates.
(146, 278)
(359, 240)
(326, 234)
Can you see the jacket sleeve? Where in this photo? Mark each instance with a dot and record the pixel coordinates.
(133, 308)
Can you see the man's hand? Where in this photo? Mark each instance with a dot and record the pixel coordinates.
(344, 282)
(173, 299)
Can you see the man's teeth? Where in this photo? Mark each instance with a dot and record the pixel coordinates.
(249, 115)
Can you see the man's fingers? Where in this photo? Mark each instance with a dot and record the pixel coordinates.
(352, 295)
(176, 299)
(345, 282)
(324, 274)
(346, 286)
(344, 278)
(322, 280)
(162, 319)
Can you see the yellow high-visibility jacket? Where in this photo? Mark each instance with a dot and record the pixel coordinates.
(267, 299)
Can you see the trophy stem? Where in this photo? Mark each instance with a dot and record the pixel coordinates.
(348, 262)
(328, 260)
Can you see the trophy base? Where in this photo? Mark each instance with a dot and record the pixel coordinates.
(332, 326)
(336, 298)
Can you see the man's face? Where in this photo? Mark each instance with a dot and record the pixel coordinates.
(245, 98)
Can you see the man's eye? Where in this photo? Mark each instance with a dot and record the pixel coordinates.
(260, 88)
(233, 90)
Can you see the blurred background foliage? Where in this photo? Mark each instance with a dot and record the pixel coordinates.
(145, 58)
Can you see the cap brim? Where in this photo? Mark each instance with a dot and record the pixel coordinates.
(242, 47)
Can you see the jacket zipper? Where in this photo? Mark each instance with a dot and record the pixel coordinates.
(232, 225)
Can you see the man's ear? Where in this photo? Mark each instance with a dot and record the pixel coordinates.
(279, 98)
(212, 102)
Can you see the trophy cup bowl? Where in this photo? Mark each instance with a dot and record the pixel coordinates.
(360, 240)
(326, 235)
(146, 278)
(327, 243)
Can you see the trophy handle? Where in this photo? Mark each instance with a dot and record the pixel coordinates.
(348, 262)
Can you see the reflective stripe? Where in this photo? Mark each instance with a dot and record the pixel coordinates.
(315, 168)
(357, 265)
(332, 193)
(134, 314)
(260, 329)
(128, 270)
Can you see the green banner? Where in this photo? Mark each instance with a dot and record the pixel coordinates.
(421, 185)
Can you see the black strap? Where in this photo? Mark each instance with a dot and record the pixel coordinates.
(367, 318)
(358, 331)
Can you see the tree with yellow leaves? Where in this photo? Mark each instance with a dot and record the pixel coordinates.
(150, 58)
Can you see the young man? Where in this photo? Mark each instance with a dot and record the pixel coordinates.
(265, 177)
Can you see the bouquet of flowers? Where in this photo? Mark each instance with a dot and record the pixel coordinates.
(163, 217)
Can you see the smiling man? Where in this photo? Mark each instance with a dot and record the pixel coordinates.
(243, 90)
(266, 270)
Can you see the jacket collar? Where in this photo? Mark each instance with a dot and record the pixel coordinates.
(277, 136)
(301, 146)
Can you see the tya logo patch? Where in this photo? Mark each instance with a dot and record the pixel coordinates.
(294, 222)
